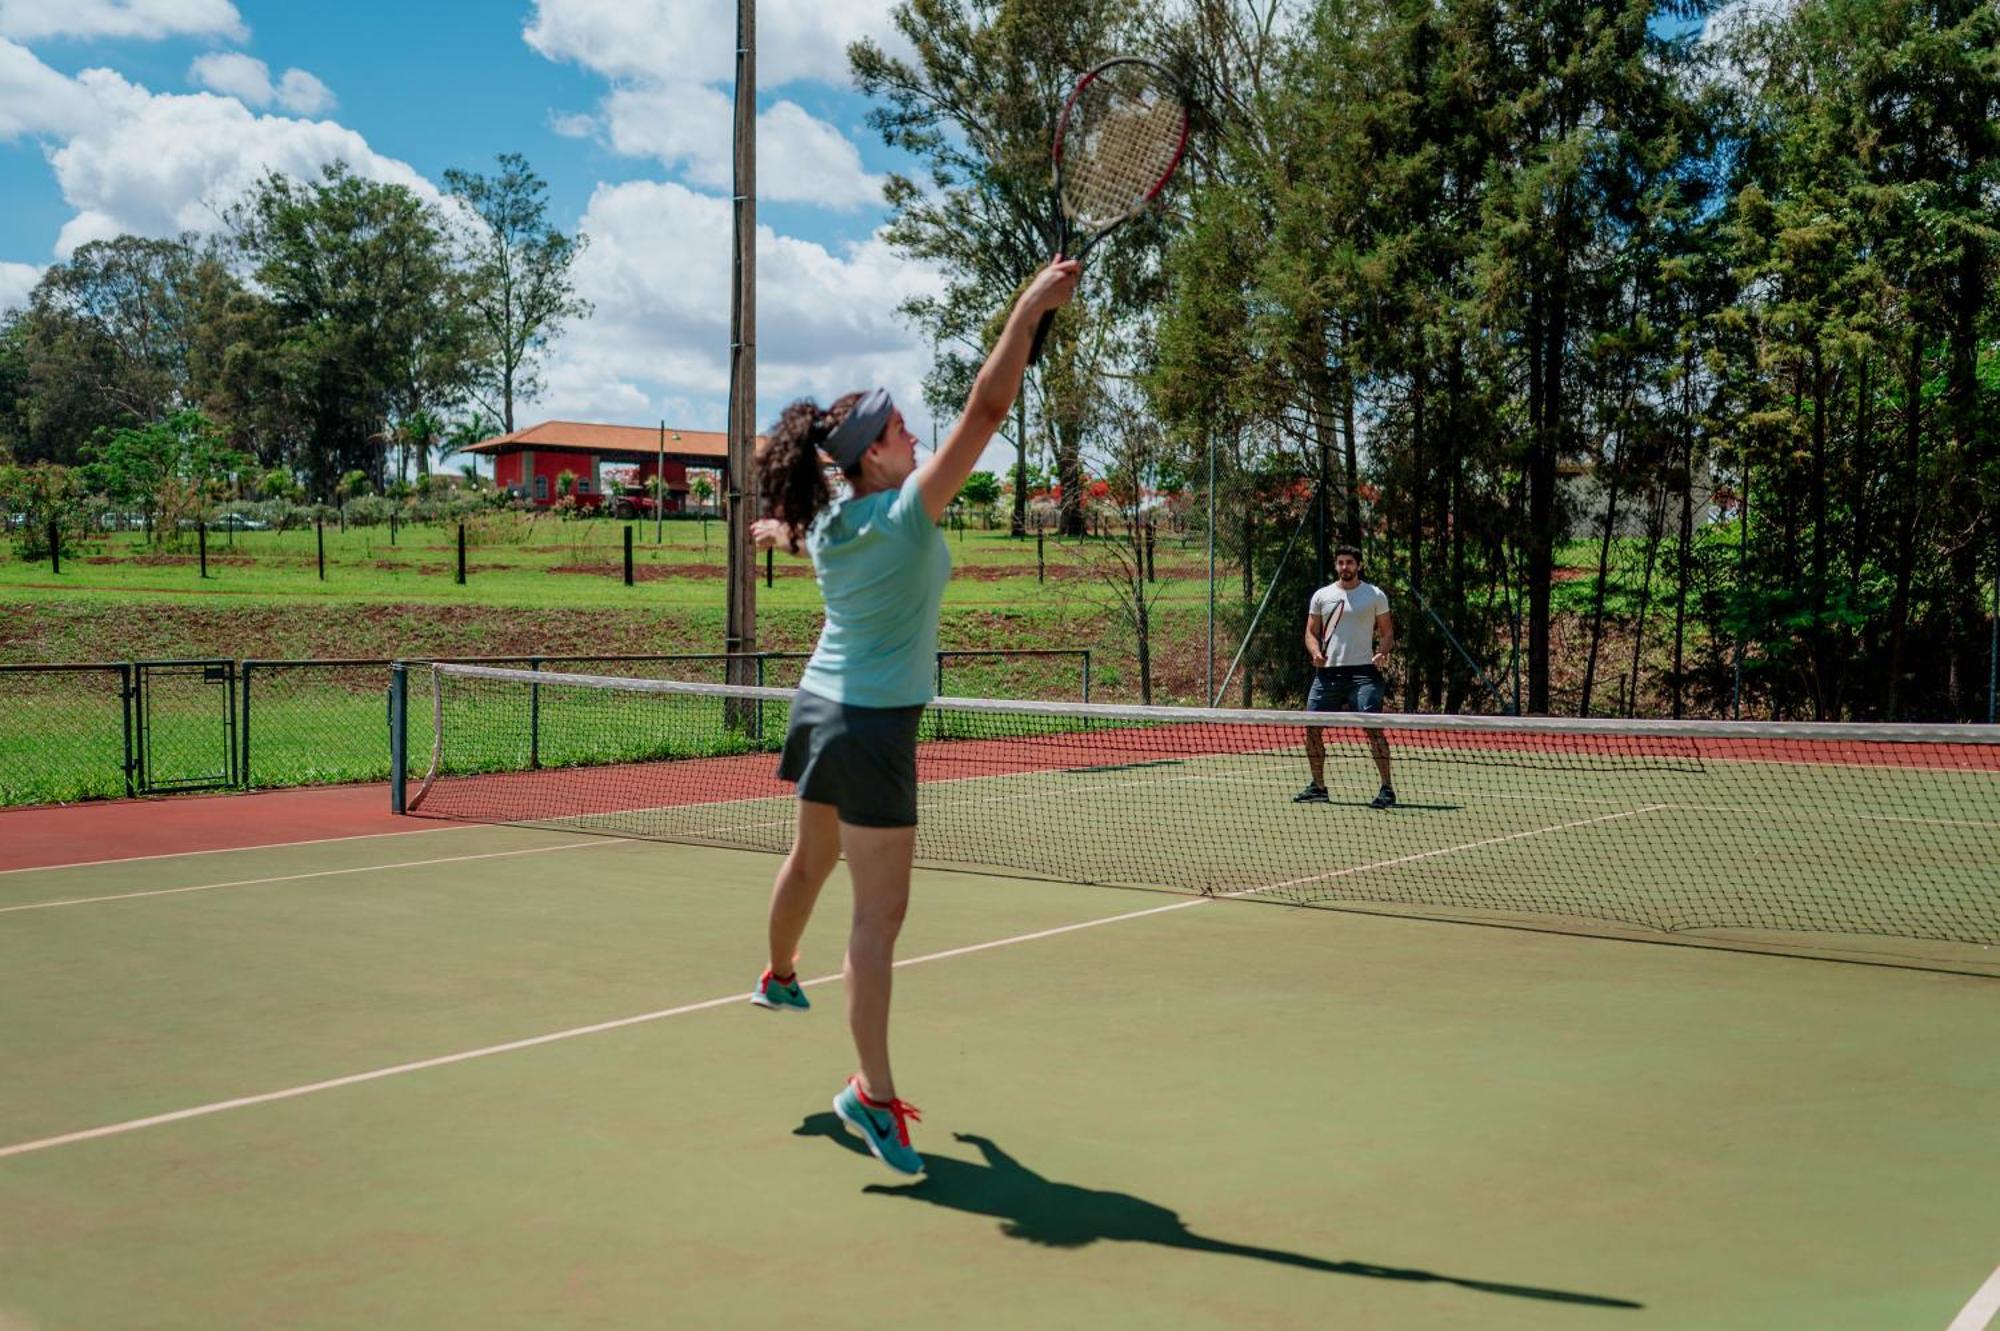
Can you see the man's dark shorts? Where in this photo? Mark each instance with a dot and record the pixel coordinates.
(1345, 689)
(861, 760)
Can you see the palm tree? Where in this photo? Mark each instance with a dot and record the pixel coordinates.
(419, 432)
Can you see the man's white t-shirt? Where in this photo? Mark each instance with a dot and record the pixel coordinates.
(1353, 640)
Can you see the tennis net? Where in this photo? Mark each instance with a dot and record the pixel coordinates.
(1668, 826)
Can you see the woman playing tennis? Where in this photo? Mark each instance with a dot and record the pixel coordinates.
(852, 749)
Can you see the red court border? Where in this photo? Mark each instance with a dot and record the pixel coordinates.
(103, 832)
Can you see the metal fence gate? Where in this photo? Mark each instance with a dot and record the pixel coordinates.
(186, 724)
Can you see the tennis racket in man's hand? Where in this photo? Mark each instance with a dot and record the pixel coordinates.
(1121, 137)
(1328, 623)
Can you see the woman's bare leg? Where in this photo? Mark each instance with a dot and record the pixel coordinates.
(878, 858)
(815, 850)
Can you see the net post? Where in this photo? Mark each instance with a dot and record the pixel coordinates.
(126, 698)
(399, 735)
(243, 738)
(534, 719)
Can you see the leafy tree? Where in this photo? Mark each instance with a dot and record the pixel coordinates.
(171, 469)
(982, 492)
(976, 109)
(49, 497)
(519, 292)
(356, 272)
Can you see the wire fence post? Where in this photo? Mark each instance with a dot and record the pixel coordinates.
(1041, 566)
(399, 735)
(461, 554)
(128, 697)
(243, 728)
(55, 545)
(534, 718)
(319, 536)
(628, 554)
(201, 543)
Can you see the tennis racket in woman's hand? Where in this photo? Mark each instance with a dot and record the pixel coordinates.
(1121, 137)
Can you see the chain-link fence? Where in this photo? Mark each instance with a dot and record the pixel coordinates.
(103, 730)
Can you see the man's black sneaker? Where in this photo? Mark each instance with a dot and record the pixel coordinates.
(1383, 798)
(1311, 795)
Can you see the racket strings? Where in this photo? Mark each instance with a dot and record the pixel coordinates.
(1122, 142)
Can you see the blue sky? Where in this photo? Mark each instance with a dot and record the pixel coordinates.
(149, 116)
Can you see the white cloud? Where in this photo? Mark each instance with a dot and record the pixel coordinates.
(672, 61)
(302, 94)
(573, 126)
(248, 79)
(35, 20)
(234, 75)
(16, 281)
(688, 128)
(158, 165)
(657, 270)
(694, 40)
(35, 99)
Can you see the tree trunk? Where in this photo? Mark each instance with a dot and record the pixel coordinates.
(1906, 535)
(1413, 633)
(1656, 526)
(1686, 566)
(1822, 642)
(1597, 599)
(1352, 534)
(1545, 411)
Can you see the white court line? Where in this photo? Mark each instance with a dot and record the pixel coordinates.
(618, 1023)
(317, 873)
(231, 850)
(1978, 1314)
(1433, 854)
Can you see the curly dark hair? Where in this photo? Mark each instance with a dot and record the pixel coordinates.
(790, 478)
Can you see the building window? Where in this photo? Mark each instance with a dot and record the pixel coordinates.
(541, 487)
(583, 485)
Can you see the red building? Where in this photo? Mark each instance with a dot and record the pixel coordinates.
(607, 461)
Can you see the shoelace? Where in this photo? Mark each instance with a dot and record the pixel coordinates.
(905, 1113)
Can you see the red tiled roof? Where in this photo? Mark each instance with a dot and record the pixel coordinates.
(582, 437)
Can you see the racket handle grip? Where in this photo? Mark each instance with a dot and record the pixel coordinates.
(1041, 336)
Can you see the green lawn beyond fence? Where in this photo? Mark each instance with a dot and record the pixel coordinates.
(107, 730)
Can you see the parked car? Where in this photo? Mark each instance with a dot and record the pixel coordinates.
(239, 522)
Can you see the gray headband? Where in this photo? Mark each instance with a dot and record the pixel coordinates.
(863, 426)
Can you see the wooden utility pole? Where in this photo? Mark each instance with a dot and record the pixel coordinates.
(741, 628)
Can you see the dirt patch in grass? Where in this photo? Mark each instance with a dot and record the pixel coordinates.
(173, 561)
(660, 572)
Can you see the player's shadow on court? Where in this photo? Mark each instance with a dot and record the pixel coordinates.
(1063, 1215)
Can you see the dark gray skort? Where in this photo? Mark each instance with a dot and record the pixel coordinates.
(861, 760)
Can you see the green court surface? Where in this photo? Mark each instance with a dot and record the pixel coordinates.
(1140, 1109)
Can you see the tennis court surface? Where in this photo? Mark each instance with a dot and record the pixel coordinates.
(1575, 1036)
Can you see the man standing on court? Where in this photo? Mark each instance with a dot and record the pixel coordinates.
(1348, 636)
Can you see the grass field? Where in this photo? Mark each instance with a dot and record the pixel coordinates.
(541, 564)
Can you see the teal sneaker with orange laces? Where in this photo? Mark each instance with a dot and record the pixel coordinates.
(885, 1126)
(779, 995)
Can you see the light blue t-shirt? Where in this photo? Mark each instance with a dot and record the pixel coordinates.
(882, 565)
